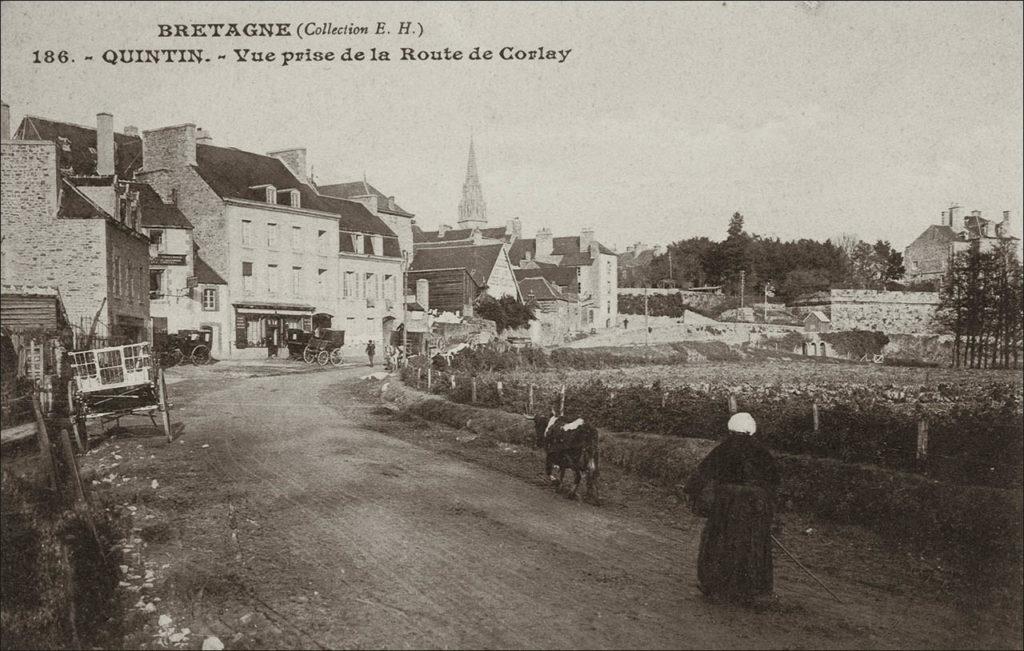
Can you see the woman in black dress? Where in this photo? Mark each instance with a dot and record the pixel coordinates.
(734, 487)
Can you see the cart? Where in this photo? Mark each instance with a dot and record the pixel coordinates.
(325, 348)
(296, 339)
(111, 383)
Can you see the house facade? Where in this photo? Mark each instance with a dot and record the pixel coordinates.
(459, 275)
(557, 312)
(74, 225)
(927, 258)
(288, 255)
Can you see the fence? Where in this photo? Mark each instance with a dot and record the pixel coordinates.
(965, 442)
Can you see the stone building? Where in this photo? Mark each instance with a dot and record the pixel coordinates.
(594, 264)
(397, 218)
(184, 292)
(557, 312)
(71, 222)
(927, 258)
(288, 254)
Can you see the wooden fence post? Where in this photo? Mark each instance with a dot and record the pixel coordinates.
(452, 378)
(814, 412)
(43, 438)
(732, 404)
(430, 375)
(472, 390)
(664, 398)
(561, 402)
(501, 392)
(419, 376)
(922, 441)
(530, 408)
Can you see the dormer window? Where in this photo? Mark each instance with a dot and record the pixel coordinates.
(358, 238)
(266, 192)
(288, 198)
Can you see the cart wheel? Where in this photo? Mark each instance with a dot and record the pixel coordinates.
(77, 419)
(171, 358)
(200, 355)
(308, 355)
(323, 358)
(336, 358)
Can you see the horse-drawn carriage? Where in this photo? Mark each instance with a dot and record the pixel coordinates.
(324, 347)
(185, 345)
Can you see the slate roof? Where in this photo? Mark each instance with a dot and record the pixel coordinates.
(157, 213)
(567, 247)
(361, 189)
(563, 277)
(420, 236)
(205, 274)
(478, 261)
(636, 259)
(232, 173)
(75, 205)
(76, 145)
(819, 315)
(541, 289)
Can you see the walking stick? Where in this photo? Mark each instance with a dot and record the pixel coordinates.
(790, 554)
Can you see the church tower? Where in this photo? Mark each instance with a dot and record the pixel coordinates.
(472, 209)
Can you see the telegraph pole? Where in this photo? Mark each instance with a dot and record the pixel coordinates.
(743, 278)
(647, 328)
(403, 359)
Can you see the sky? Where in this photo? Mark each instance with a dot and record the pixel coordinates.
(810, 118)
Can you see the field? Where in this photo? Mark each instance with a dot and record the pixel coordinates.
(954, 425)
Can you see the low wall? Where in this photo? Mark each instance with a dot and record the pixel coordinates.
(868, 309)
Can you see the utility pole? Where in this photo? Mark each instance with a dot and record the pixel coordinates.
(403, 359)
(743, 280)
(647, 328)
(670, 264)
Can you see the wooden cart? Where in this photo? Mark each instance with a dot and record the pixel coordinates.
(111, 383)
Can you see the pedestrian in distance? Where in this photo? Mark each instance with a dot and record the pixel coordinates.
(734, 488)
(371, 349)
(625, 324)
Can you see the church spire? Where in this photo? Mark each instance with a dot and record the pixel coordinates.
(472, 209)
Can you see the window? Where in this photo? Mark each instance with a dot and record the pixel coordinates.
(296, 238)
(248, 282)
(321, 242)
(358, 239)
(389, 286)
(156, 239)
(369, 284)
(321, 281)
(296, 280)
(156, 283)
(378, 245)
(348, 285)
(272, 278)
(271, 235)
(246, 232)
(210, 299)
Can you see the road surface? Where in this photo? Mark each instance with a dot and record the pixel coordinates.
(284, 518)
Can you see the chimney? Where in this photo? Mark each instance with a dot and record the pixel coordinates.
(5, 121)
(545, 244)
(169, 147)
(514, 229)
(131, 131)
(203, 137)
(953, 215)
(391, 203)
(423, 293)
(295, 161)
(586, 239)
(104, 144)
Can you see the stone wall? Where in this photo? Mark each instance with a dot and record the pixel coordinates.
(896, 312)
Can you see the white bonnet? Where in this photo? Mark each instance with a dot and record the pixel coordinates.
(742, 423)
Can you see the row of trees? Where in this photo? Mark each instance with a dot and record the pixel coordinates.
(981, 301)
(790, 267)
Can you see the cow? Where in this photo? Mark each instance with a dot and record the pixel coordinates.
(569, 443)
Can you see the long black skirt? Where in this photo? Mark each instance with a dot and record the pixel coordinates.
(735, 560)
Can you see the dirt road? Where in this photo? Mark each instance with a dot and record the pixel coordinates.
(283, 518)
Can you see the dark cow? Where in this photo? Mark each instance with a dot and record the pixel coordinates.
(569, 443)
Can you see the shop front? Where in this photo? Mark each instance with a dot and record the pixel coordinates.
(261, 327)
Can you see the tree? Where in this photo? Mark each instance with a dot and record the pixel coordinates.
(506, 312)
(803, 281)
(981, 302)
